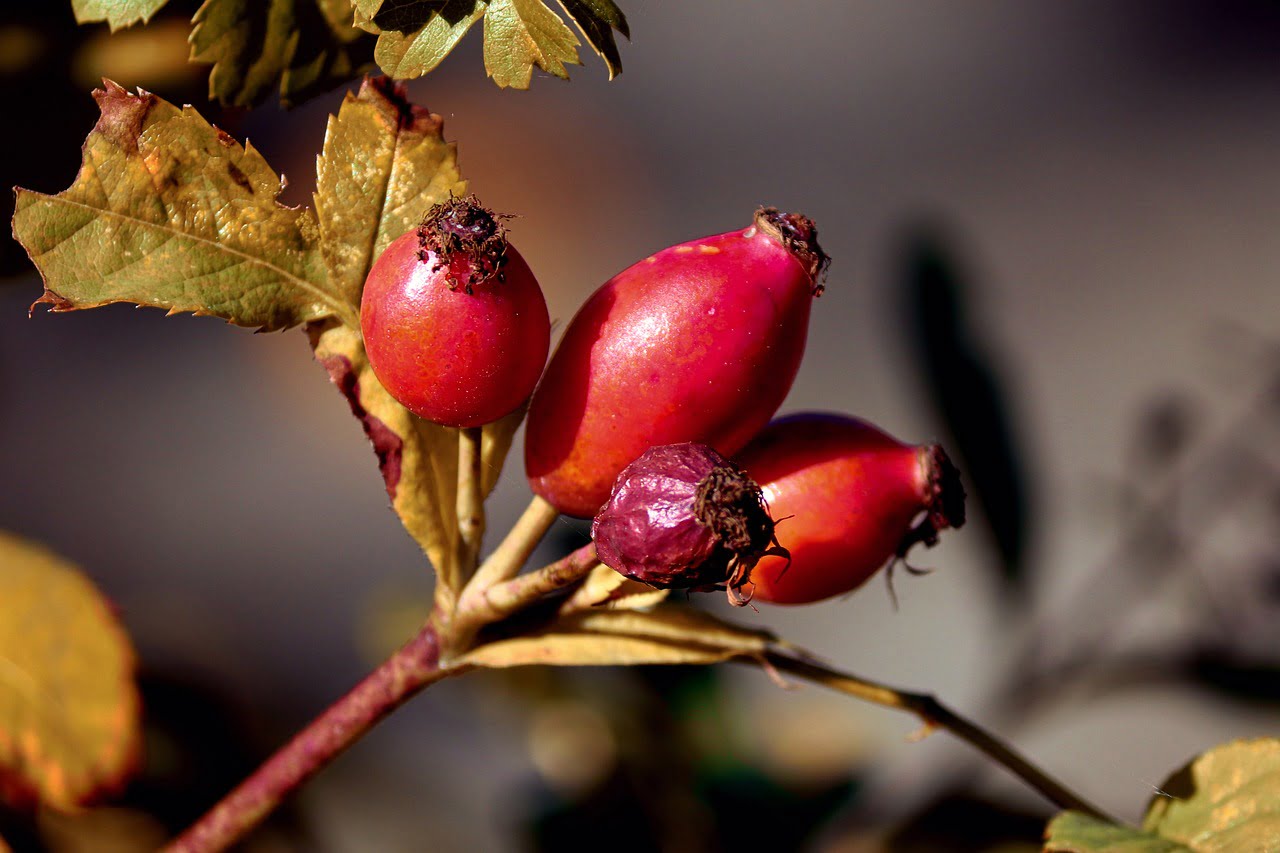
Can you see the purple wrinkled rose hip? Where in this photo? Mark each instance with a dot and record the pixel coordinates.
(683, 516)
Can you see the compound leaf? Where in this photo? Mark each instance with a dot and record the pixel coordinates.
(300, 47)
(69, 709)
(168, 211)
(519, 34)
(671, 635)
(117, 13)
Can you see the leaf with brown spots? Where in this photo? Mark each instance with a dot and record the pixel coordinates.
(68, 705)
(670, 634)
(168, 211)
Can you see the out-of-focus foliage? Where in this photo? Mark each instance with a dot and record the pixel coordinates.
(69, 710)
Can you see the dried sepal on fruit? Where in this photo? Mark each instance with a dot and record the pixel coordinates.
(682, 516)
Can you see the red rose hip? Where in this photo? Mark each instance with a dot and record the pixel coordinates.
(849, 499)
(454, 323)
(699, 342)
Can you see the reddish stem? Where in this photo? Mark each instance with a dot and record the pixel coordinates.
(415, 666)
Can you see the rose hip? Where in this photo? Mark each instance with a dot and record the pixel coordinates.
(849, 499)
(454, 322)
(699, 342)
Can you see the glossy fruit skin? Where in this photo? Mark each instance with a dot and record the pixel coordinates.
(699, 342)
(848, 499)
(455, 358)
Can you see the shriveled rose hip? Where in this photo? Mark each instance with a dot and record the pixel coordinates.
(683, 516)
(454, 322)
(699, 342)
(849, 499)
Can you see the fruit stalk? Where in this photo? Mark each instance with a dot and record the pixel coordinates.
(509, 597)
(411, 669)
(470, 501)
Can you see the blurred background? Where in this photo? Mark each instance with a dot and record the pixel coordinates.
(1053, 230)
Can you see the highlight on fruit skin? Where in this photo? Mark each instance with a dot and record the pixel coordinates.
(699, 342)
(454, 322)
(682, 516)
(850, 500)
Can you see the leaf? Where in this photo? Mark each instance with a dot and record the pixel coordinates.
(597, 19)
(300, 47)
(1225, 800)
(385, 162)
(69, 709)
(671, 635)
(1076, 832)
(519, 34)
(169, 211)
(607, 589)
(117, 13)
(416, 37)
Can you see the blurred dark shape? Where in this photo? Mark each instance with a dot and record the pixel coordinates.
(1224, 672)
(1165, 430)
(964, 824)
(41, 72)
(967, 394)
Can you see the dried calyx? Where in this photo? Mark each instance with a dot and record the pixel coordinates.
(799, 234)
(683, 516)
(945, 496)
(465, 238)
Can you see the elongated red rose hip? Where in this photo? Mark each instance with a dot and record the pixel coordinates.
(700, 342)
(849, 499)
(454, 322)
(683, 516)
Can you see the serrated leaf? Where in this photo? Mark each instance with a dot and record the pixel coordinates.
(671, 635)
(1226, 799)
(1076, 832)
(597, 19)
(117, 13)
(418, 459)
(410, 44)
(385, 162)
(519, 34)
(299, 47)
(170, 212)
(68, 706)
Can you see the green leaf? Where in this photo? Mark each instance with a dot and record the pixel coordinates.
(385, 162)
(410, 46)
(519, 34)
(1227, 799)
(117, 13)
(69, 709)
(597, 19)
(300, 47)
(670, 635)
(1075, 832)
(168, 211)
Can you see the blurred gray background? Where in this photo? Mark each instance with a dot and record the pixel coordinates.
(1090, 190)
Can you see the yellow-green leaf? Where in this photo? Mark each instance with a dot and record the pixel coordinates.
(606, 589)
(1227, 799)
(299, 47)
(68, 705)
(117, 13)
(168, 211)
(597, 19)
(519, 34)
(418, 459)
(415, 38)
(384, 163)
(1075, 832)
(671, 635)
